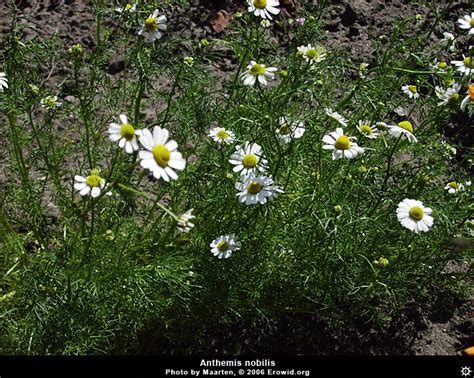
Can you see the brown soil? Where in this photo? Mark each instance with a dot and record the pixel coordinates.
(444, 327)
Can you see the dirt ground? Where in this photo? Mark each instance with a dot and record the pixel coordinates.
(444, 327)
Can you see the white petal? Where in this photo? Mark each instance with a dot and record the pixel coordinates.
(329, 147)
(349, 154)
(161, 137)
(79, 186)
(85, 191)
(146, 139)
(95, 192)
(249, 80)
(172, 174)
(128, 147)
(178, 164)
(145, 155)
(114, 137)
(328, 139)
(154, 35)
(148, 164)
(171, 145)
(157, 173)
(123, 118)
(273, 10)
(163, 174)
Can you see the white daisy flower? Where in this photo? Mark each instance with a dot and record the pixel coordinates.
(92, 184)
(152, 26)
(341, 145)
(467, 22)
(224, 245)
(362, 70)
(287, 131)
(447, 95)
(312, 54)
(336, 117)
(127, 7)
(125, 134)
(465, 66)
(50, 102)
(411, 91)
(368, 130)
(222, 136)
(3, 81)
(255, 189)
(439, 66)
(188, 60)
(448, 41)
(404, 128)
(468, 101)
(453, 187)
(248, 158)
(161, 156)
(264, 8)
(258, 72)
(414, 216)
(184, 221)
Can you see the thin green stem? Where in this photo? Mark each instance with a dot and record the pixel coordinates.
(84, 114)
(170, 97)
(145, 195)
(387, 176)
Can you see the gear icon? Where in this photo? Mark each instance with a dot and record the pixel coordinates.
(466, 371)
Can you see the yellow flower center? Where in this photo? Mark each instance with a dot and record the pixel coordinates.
(50, 102)
(383, 262)
(127, 131)
(223, 246)
(260, 4)
(254, 187)
(285, 129)
(343, 143)
(442, 65)
(222, 134)
(151, 24)
(257, 70)
(250, 161)
(468, 62)
(406, 125)
(312, 54)
(454, 185)
(161, 154)
(471, 22)
(128, 6)
(416, 213)
(93, 181)
(412, 88)
(366, 129)
(453, 98)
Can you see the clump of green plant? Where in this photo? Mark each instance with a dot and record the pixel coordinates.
(302, 183)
